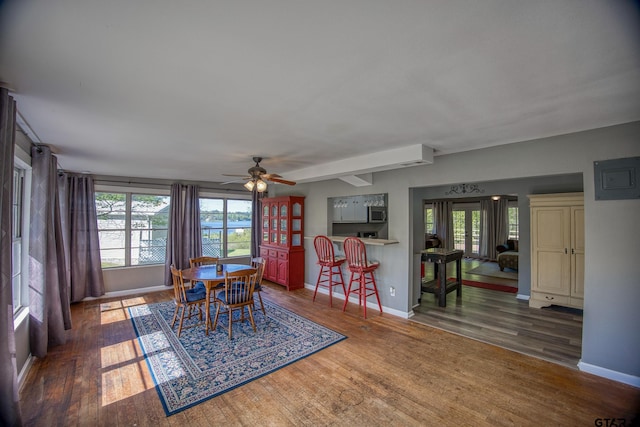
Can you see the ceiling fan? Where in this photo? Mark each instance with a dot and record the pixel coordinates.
(258, 176)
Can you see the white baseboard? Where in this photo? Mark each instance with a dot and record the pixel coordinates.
(523, 297)
(126, 292)
(610, 374)
(370, 304)
(24, 371)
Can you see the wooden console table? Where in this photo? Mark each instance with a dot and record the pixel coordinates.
(440, 286)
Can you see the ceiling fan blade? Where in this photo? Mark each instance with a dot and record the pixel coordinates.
(270, 175)
(234, 181)
(281, 181)
(242, 176)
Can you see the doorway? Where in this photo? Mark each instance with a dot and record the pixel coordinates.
(466, 228)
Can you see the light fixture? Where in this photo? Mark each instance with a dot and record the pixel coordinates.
(256, 183)
(261, 186)
(495, 198)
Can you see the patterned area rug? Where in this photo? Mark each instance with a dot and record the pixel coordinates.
(196, 367)
(492, 269)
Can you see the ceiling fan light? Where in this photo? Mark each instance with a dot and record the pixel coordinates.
(249, 185)
(261, 186)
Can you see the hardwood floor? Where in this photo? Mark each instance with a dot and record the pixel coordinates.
(499, 318)
(389, 371)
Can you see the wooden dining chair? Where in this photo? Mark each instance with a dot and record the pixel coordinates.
(202, 260)
(259, 264)
(237, 294)
(361, 273)
(186, 299)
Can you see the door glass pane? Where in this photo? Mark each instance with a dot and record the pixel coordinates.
(459, 229)
(475, 231)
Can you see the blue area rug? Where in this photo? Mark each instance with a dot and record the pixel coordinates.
(196, 367)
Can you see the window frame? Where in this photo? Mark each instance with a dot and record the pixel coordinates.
(225, 230)
(515, 228)
(154, 190)
(129, 193)
(21, 303)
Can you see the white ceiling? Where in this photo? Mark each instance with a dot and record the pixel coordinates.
(193, 89)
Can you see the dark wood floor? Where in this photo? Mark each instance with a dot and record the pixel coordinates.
(389, 371)
(499, 318)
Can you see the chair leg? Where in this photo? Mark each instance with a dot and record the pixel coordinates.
(181, 320)
(215, 319)
(339, 273)
(346, 299)
(230, 321)
(251, 318)
(362, 294)
(175, 316)
(261, 303)
(318, 282)
(375, 290)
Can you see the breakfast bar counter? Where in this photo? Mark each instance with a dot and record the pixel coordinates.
(366, 241)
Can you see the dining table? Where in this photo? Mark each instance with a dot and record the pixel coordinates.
(213, 279)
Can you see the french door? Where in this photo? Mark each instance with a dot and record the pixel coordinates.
(466, 228)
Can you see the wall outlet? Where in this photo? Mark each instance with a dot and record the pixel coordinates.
(392, 291)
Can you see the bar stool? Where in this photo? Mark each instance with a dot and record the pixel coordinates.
(329, 266)
(361, 273)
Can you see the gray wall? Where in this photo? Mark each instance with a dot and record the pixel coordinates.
(611, 342)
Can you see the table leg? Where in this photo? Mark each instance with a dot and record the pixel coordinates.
(459, 277)
(207, 306)
(442, 299)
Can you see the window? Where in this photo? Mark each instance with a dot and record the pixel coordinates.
(429, 224)
(513, 220)
(226, 227)
(19, 296)
(132, 228)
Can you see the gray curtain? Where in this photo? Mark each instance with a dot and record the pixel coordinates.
(191, 229)
(9, 393)
(501, 224)
(49, 308)
(80, 231)
(184, 236)
(256, 223)
(443, 219)
(494, 225)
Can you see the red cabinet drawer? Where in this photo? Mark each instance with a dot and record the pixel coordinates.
(273, 253)
(283, 255)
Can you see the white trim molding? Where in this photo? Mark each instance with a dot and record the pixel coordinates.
(370, 304)
(610, 374)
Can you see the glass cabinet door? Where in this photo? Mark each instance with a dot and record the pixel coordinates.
(283, 210)
(296, 209)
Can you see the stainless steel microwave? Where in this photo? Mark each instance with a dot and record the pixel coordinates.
(377, 214)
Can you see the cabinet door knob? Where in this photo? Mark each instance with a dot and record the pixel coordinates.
(565, 251)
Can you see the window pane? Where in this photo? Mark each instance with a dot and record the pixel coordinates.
(238, 228)
(429, 226)
(111, 210)
(17, 278)
(513, 222)
(211, 223)
(149, 221)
